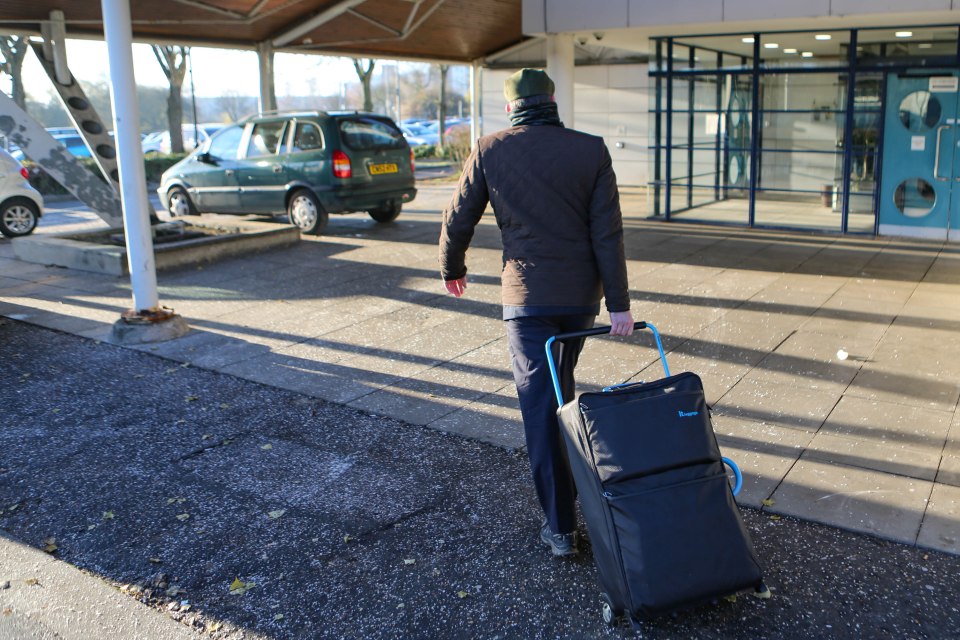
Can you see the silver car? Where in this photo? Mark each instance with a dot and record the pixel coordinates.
(20, 204)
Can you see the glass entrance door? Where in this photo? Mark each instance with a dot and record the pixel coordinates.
(920, 196)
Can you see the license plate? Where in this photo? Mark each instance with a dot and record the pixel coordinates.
(377, 169)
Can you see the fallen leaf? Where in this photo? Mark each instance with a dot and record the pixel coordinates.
(409, 561)
(55, 410)
(185, 365)
(31, 582)
(769, 502)
(224, 405)
(108, 515)
(278, 617)
(774, 517)
(174, 590)
(212, 626)
(462, 594)
(91, 527)
(277, 514)
(347, 538)
(178, 500)
(7, 611)
(191, 398)
(732, 598)
(183, 517)
(155, 560)
(171, 370)
(50, 545)
(266, 447)
(227, 441)
(206, 436)
(238, 587)
(14, 507)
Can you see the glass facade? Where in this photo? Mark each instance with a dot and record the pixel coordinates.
(781, 129)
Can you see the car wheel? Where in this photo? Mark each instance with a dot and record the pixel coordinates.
(179, 203)
(387, 213)
(18, 217)
(306, 212)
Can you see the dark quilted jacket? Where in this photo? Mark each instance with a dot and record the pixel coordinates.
(555, 198)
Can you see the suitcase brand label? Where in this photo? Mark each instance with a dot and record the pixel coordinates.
(688, 414)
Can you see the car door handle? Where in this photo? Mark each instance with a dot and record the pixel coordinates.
(228, 172)
(277, 168)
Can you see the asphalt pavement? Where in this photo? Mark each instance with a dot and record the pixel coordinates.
(242, 510)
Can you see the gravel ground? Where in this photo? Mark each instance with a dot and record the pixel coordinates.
(174, 483)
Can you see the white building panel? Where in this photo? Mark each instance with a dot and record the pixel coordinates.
(654, 12)
(845, 7)
(737, 10)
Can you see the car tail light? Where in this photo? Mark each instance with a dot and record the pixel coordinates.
(24, 173)
(341, 165)
(413, 165)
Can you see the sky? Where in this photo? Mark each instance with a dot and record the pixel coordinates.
(294, 74)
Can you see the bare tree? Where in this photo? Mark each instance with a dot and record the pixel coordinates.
(12, 51)
(232, 105)
(365, 77)
(442, 107)
(173, 61)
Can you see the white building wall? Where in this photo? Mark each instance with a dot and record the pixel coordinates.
(610, 101)
(656, 17)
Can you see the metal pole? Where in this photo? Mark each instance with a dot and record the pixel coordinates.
(474, 101)
(658, 132)
(133, 183)
(669, 150)
(193, 101)
(755, 113)
(849, 121)
(691, 100)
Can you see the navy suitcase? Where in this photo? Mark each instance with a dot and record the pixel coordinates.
(654, 492)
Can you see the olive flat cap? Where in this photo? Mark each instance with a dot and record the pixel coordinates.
(526, 83)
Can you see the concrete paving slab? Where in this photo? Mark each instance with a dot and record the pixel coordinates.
(878, 422)
(889, 457)
(949, 470)
(718, 372)
(939, 529)
(763, 452)
(876, 382)
(45, 598)
(775, 404)
(952, 446)
(885, 505)
(493, 418)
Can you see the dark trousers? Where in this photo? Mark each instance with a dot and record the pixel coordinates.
(538, 405)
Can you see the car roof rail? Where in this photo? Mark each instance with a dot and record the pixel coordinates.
(281, 112)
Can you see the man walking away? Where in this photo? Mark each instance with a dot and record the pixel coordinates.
(555, 198)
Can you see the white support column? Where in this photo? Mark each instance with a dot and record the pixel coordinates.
(476, 91)
(58, 47)
(560, 70)
(268, 100)
(133, 184)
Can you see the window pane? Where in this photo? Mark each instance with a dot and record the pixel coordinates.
(308, 137)
(225, 144)
(265, 139)
(370, 133)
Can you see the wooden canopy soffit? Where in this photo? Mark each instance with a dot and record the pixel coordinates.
(454, 30)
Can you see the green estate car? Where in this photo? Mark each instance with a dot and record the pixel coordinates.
(308, 165)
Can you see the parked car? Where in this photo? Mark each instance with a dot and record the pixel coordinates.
(72, 141)
(415, 139)
(20, 204)
(307, 165)
(159, 141)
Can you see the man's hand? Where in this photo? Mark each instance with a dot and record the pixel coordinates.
(457, 287)
(621, 323)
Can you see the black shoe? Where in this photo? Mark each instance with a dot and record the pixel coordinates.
(561, 544)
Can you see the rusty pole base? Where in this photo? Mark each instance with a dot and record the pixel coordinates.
(148, 325)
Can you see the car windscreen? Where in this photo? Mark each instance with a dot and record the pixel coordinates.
(366, 133)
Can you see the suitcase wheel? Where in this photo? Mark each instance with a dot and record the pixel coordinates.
(606, 610)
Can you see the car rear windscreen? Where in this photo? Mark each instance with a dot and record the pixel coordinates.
(365, 134)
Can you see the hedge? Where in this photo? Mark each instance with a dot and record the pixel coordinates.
(154, 166)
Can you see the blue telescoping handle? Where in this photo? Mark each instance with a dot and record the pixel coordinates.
(738, 477)
(596, 331)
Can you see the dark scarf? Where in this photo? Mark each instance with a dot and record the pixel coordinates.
(535, 110)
